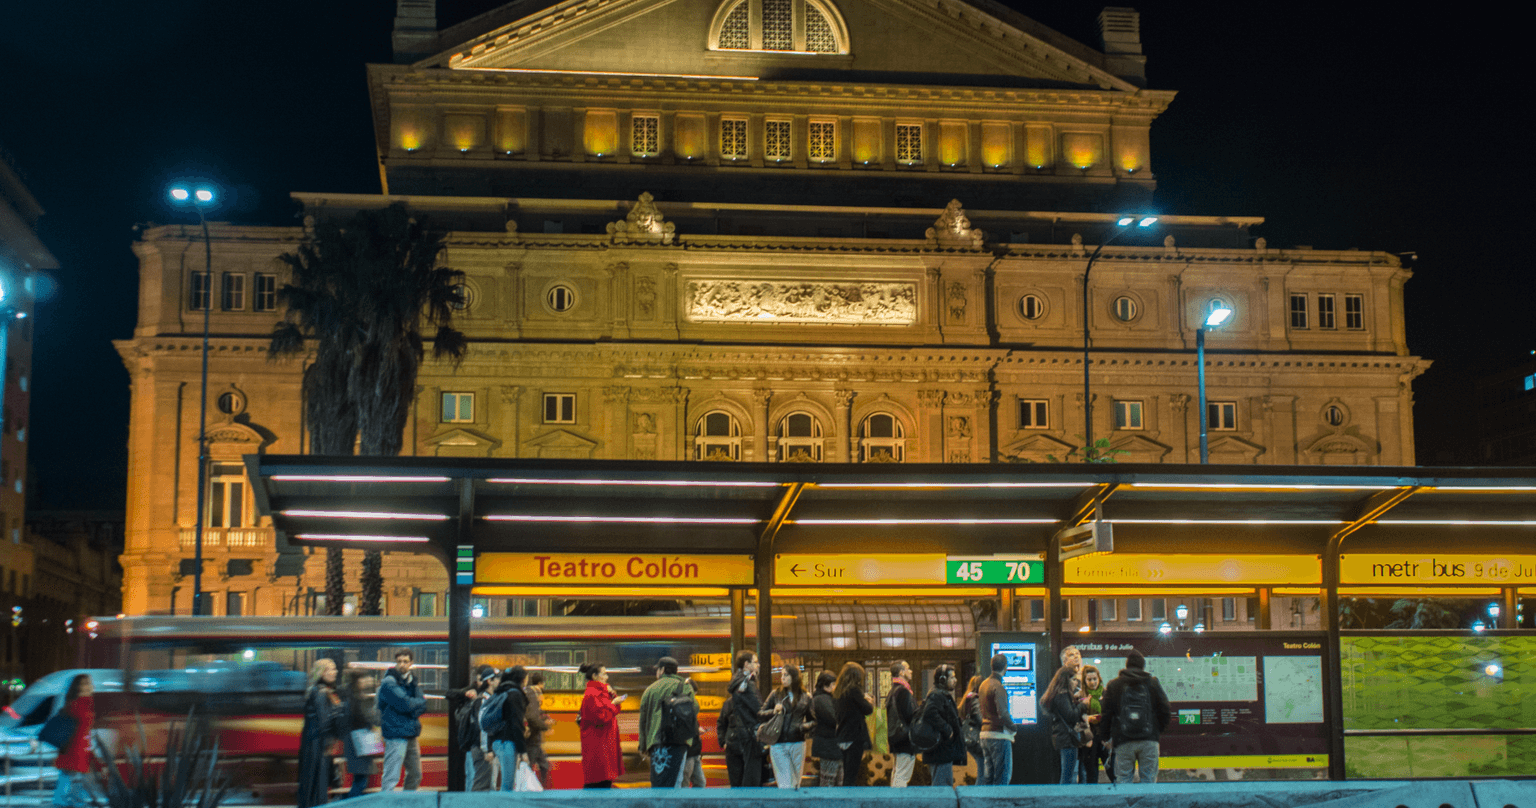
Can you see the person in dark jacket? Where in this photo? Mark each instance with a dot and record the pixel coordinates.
(900, 706)
(852, 733)
(401, 704)
(693, 769)
(970, 720)
(1133, 751)
(539, 722)
(743, 754)
(829, 757)
(509, 743)
(322, 711)
(479, 768)
(360, 712)
(939, 710)
(1062, 711)
(788, 752)
(1089, 757)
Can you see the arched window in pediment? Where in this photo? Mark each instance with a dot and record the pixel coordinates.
(786, 26)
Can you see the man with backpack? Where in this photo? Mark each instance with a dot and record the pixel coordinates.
(900, 706)
(1137, 710)
(504, 721)
(465, 706)
(669, 717)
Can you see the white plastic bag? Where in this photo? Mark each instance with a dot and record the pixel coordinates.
(525, 779)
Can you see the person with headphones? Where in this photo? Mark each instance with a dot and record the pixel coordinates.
(939, 710)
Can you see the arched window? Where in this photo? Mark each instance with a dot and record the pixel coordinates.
(882, 440)
(800, 439)
(820, 28)
(719, 437)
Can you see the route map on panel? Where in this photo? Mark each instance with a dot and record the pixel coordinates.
(1293, 690)
(1213, 678)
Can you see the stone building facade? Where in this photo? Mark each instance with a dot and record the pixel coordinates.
(720, 233)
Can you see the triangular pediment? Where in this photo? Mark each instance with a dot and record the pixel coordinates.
(904, 39)
(233, 432)
(1139, 449)
(1038, 448)
(1231, 448)
(561, 443)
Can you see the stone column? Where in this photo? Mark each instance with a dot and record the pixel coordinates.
(1283, 429)
(680, 402)
(1389, 431)
(843, 426)
(760, 397)
(616, 410)
(930, 413)
(512, 396)
(1178, 404)
(619, 298)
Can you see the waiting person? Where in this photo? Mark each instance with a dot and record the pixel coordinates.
(743, 754)
(1090, 756)
(322, 711)
(539, 722)
(479, 762)
(359, 713)
(900, 706)
(1063, 711)
(1136, 710)
(668, 759)
(788, 752)
(509, 741)
(74, 759)
(970, 718)
(852, 733)
(939, 709)
(1072, 658)
(829, 756)
(602, 761)
(997, 726)
(693, 769)
(401, 704)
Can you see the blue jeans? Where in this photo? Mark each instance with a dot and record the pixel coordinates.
(999, 755)
(70, 790)
(506, 758)
(981, 768)
(1069, 766)
(943, 774)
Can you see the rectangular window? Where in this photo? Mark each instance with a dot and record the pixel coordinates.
(559, 408)
(426, 604)
(909, 143)
(1133, 609)
(234, 604)
(823, 141)
(1066, 609)
(1032, 414)
(1108, 609)
(645, 135)
(202, 291)
(1298, 311)
(458, 408)
(1354, 312)
(1325, 312)
(1037, 610)
(266, 292)
(1222, 414)
(1159, 609)
(1228, 610)
(733, 138)
(1253, 609)
(233, 298)
(776, 140)
(1127, 415)
(226, 495)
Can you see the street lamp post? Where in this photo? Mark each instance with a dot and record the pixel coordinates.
(1123, 224)
(1217, 316)
(200, 199)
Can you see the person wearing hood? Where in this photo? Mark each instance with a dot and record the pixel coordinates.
(900, 707)
(743, 754)
(1136, 710)
(401, 704)
(509, 743)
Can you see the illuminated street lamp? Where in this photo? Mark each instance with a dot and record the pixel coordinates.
(1165, 629)
(1181, 612)
(1218, 315)
(200, 199)
(1122, 225)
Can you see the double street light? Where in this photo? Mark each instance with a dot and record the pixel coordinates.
(1219, 314)
(1123, 224)
(200, 199)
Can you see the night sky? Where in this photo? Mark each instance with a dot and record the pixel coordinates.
(1345, 127)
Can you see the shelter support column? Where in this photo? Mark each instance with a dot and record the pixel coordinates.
(1264, 613)
(1509, 610)
(459, 612)
(738, 620)
(1007, 614)
(1333, 712)
(1054, 573)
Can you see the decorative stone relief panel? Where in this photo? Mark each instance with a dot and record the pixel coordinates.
(801, 302)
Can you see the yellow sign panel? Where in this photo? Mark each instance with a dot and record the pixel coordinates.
(1194, 570)
(624, 569)
(831, 569)
(1436, 568)
(1243, 762)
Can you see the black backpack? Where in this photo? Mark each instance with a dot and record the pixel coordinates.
(896, 728)
(468, 723)
(679, 717)
(1136, 721)
(491, 719)
(923, 732)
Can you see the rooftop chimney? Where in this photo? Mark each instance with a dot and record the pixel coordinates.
(1120, 29)
(415, 29)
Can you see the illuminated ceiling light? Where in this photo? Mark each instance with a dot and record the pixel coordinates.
(1454, 522)
(628, 520)
(353, 478)
(1225, 521)
(876, 522)
(1483, 488)
(358, 537)
(437, 517)
(1274, 486)
(953, 485)
(1084, 630)
(663, 483)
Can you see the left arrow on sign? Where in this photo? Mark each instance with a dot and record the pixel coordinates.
(795, 570)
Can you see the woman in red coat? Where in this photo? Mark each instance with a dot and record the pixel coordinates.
(74, 760)
(601, 760)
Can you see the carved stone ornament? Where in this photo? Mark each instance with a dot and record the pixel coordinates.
(957, 300)
(643, 224)
(645, 296)
(794, 302)
(953, 229)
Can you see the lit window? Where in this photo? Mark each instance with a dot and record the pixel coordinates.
(266, 292)
(559, 408)
(645, 135)
(1032, 414)
(909, 143)
(800, 439)
(233, 297)
(1133, 609)
(1298, 311)
(1108, 610)
(780, 25)
(733, 136)
(1031, 307)
(458, 408)
(1354, 312)
(823, 140)
(201, 291)
(735, 32)
(819, 37)
(1325, 311)
(1125, 309)
(882, 440)
(776, 140)
(1127, 415)
(1221, 414)
(719, 437)
(226, 495)
(561, 298)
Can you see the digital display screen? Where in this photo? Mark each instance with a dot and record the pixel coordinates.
(1022, 678)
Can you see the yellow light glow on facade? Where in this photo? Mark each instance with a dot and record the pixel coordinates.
(464, 132)
(511, 131)
(1131, 159)
(866, 140)
(408, 138)
(1083, 149)
(952, 143)
(996, 144)
(1194, 570)
(601, 136)
(688, 134)
(1037, 147)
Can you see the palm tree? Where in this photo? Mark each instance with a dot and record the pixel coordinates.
(361, 290)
